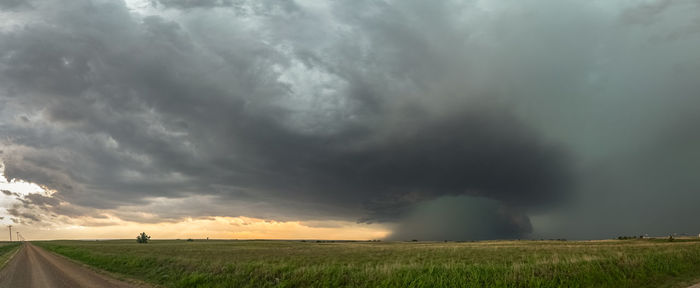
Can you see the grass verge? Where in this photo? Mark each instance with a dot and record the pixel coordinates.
(7, 250)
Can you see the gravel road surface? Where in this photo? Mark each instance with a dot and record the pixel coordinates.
(35, 267)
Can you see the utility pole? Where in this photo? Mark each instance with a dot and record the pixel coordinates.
(17, 235)
(10, 232)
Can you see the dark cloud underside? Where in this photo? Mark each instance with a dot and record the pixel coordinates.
(315, 110)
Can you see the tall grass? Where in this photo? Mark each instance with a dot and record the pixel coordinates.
(6, 250)
(627, 263)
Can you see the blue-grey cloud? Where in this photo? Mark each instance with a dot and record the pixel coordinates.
(311, 110)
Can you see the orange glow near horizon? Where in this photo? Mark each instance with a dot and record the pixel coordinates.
(214, 228)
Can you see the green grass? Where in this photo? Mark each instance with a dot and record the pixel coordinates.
(626, 263)
(7, 249)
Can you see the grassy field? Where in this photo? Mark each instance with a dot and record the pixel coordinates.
(614, 263)
(6, 250)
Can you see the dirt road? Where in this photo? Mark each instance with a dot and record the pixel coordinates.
(35, 267)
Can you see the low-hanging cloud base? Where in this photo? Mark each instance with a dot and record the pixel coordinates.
(456, 120)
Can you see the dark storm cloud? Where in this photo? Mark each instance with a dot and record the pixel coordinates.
(41, 200)
(483, 153)
(22, 216)
(311, 110)
(460, 218)
(194, 3)
(14, 4)
(241, 7)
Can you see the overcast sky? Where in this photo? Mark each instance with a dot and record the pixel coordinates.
(431, 120)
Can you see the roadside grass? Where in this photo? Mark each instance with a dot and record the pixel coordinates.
(615, 263)
(7, 249)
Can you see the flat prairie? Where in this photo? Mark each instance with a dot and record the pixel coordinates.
(6, 251)
(231, 263)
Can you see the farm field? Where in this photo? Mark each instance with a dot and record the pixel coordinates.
(218, 263)
(6, 250)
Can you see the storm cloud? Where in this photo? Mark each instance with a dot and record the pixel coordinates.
(376, 112)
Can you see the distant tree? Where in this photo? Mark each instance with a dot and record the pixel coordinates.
(142, 238)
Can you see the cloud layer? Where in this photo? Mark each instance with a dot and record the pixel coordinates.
(365, 111)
